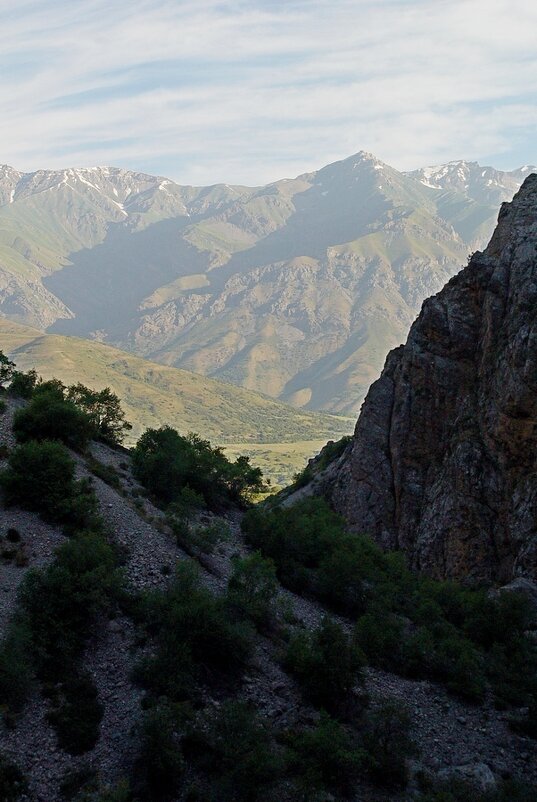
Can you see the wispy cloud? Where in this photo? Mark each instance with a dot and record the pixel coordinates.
(251, 91)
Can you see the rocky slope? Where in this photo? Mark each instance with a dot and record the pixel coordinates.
(297, 289)
(443, 460)
(453, 738)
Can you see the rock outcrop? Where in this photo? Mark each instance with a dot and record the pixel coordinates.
(443, 464)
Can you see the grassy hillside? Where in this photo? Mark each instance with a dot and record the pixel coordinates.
(155, 395)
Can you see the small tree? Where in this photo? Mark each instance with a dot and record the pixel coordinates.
(49, 417)
(23, 384)
(324, 758)
(39, 477)
(327, 663)
(388, 743)
(7, 368)
(104, 410)
(252, 588)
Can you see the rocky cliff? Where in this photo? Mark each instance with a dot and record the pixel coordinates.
(443, 463)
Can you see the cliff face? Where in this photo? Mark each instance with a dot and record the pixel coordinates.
(443, 462)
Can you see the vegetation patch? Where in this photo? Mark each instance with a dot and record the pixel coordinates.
(464, 638)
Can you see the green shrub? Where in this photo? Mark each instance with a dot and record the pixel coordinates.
(77, 715)
(327, 664)
(3, 406)
(196, 540)
(63, 602)
(48, 417)
(420, 628)
(252, 589)
(103, 409)
(234, 747)
(194, 635)
(324, 759)
(16, 667)
(12, 782)
(388, 743)
(23, 384)
(160, 765)
(7, 369)
(41, 477)
(107, 473)
(79, 784)
(166, 463)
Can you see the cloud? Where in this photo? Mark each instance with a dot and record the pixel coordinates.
(251, 91)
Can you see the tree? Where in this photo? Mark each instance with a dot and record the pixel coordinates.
(253, 587)
(7, 368)
(166, 462)
(104, 410)
(327, 663)
(23, 384)
(50, 417)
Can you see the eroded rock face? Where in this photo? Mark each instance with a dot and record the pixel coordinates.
(444, 459)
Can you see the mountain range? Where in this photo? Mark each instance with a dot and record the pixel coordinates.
(297, 289)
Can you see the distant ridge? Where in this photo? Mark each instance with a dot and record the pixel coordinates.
(296, 289)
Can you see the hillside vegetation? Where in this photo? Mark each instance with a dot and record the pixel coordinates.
(147, 675)
(154, 395)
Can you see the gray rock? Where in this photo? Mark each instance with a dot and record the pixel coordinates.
(443, 463)
(478, 775)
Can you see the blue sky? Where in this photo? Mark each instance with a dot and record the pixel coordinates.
(249, 92)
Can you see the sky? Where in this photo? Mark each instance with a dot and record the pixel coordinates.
(250, 92)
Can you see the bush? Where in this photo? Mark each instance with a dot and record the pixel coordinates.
(12, 783)
(252, 589)
(324, 759)
(13, 535)
(23, 384)
(327, 663)
(196, 540)
(7, 369)
(103, 409)
(194, 636)
(406, 623)
(160, 765)
(63, 602)
(235, 748)
(48, 417)
(388, 744)
(77, 715)
(16, 668)
(107, 473)
(166, 463)
(41, 477)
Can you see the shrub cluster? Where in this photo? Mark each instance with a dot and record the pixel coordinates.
(406, 623)
(166, 463)
(40, 477)
(194, 636)
(49, 416)
(73, 414)
(327, 663)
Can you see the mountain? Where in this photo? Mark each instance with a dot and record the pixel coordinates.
(278, 437)
(297, 289)
(443, 462)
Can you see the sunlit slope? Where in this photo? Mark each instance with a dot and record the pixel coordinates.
(156, 395)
